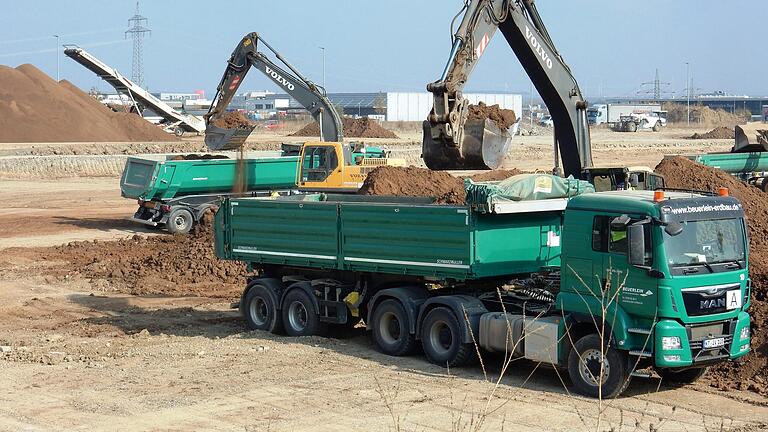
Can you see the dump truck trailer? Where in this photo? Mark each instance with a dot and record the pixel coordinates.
(606, 285)
(177, 193)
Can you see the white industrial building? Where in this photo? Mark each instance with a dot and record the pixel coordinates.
(416, 106)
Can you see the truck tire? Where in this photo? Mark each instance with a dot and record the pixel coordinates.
(764, 185)
(180, 221)
(299, 315)
(179, 132)
(260, 311)
(657, 126)
(631, 127)
(442, 341)
(686, 376)
(584, 367)
(391, 329)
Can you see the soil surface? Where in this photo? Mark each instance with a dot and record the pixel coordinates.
(686, 174)
(36, 108)
(353, 128)
(414, 181)
(232, 120)
(495, 175)
(720, 132)
(503, 118)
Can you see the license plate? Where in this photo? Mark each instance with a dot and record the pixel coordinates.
(714, 343)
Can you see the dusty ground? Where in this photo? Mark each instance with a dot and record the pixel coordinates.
(85, 357)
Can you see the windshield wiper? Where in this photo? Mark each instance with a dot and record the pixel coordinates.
(730, 264)
(696, 264)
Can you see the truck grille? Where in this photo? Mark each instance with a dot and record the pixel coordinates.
(697, 334)
(706, 300)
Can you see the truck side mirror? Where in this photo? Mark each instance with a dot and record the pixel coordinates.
(636, 250)
(673, 228)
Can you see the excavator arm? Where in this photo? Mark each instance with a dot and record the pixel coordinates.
(453, 142)
(311, 96)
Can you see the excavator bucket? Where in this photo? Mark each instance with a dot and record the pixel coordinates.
(483, 146)
(218, 139)
(752, 137)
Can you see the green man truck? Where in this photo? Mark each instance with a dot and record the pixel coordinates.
(606, 285)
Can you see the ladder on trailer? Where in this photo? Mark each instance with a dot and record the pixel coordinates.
(177, 121)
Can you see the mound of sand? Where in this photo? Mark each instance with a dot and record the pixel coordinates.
(353, 128)
(720, 132)
(36, 108)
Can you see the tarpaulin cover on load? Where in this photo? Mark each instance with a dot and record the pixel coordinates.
(524, 187)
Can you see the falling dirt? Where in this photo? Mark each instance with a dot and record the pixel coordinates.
(415, 182)
(232, 120)
(36, 108)
(720, 132)
(353, 128)
(503, 118)
(685, 174)
(173, 265)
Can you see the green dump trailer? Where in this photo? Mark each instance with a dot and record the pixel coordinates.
(607, 286)
(750, 167)
(176, 193)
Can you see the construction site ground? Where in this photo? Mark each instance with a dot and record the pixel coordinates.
(78, 355)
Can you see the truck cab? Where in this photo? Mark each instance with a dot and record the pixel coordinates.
(338, 167)
(665, 272)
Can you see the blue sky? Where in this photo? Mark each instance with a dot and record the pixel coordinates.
(400, 45)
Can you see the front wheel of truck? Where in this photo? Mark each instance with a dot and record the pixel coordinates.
(596, 369)
(180, 221)
(686, 376)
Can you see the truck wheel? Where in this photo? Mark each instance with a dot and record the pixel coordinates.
(441, 339)
(260, 311)
(179, 132)
(391, 329)
(764, 185)
(180, 221)
(657, 126)
(686, 376)
(593, 365)
(299, 315)
(632, 127)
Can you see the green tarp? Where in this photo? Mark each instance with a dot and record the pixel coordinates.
(524, 187)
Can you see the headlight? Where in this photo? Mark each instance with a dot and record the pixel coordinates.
(744, 333)
(670, 343)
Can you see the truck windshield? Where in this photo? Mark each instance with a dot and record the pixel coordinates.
(706, 242)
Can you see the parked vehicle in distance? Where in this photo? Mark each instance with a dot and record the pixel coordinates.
(611, 113)
(546, 121)
(654, 121)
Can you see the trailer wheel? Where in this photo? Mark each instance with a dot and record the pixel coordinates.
(764, 185)
(299, 315)
(657, 126)
(180, 221)
(260, 311)
(597, 369)
(179, 132)
(686, 376)
(391, 329)
(442, 340)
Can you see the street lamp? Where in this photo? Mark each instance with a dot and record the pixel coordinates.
(322, 49)
(57, 57)
(688, 92)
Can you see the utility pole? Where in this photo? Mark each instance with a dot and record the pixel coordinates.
(688, 91)
(58, 77)
(138, 29)
(322, 50)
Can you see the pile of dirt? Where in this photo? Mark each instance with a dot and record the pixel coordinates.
(174, 265)
(495, 175)
(353, 128)
(415, 182)
(686, 174)
(36, 108)
(195, 156)
(720, 132)
(705, 116)
(503, 118)
(233, 120)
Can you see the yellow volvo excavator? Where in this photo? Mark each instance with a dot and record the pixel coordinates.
(325, 165)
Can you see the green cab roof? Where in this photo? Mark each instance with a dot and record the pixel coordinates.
(626, 201)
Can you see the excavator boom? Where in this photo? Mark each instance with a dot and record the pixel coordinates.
(246, 55)
(453, 142)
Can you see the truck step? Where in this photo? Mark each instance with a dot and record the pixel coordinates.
(639, 353)
(641, 374)
(639, 331)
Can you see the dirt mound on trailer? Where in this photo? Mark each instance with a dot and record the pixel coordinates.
(232, 120)
(503, 118)
(686, 174)
(36, 108)
(720, 132)
(415, 182)
(495, 175)
(353, 128)
(175, 265)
